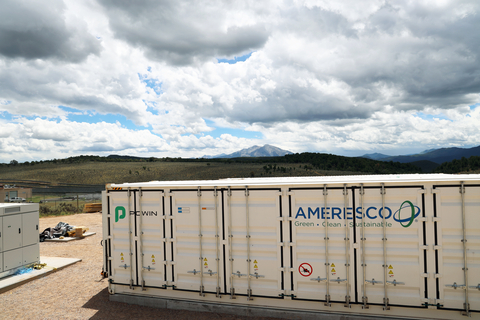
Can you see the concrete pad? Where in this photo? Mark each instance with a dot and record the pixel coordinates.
(53, 264)
(66, 239)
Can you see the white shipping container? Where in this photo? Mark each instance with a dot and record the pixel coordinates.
(396, 245)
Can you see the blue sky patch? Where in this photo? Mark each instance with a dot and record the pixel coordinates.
(152, 83)
(431, 117)
(235, 59)
(239, 133)
(94, 117)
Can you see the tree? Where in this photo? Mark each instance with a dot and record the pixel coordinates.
(14, 162)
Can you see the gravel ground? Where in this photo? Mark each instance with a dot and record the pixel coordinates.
(76, 292)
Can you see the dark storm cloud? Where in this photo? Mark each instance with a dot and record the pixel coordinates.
(181, 32)
(37, 30)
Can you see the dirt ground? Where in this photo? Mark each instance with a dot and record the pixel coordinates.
(75, 292)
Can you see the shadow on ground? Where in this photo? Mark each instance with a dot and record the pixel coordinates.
(116, 310)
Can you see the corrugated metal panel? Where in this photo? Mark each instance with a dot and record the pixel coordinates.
(384, 248)
(458, 247)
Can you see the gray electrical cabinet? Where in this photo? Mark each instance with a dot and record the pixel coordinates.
(19, 236)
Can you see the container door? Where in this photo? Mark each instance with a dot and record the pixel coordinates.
(151, 242)
(123, 245)
(455, 285)
(254, 248)
(390, 256)
(30, 228)
(12, 232)
(197, 225)
(322, 221)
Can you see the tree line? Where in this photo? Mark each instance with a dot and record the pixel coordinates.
(320, 161)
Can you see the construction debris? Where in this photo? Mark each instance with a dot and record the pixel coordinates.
(92, 207)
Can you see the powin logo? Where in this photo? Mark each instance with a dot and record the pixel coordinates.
(120, 213)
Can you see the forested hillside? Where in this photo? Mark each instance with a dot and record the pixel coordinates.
(471, 164)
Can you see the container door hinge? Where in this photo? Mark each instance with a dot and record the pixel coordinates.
(347, 302)
(327, 301)
(365, 303)
(386, 302)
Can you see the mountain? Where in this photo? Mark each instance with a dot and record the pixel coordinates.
(375, 156)
(255, 151)
(437, 155)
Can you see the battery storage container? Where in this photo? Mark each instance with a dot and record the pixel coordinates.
(386, 245)
(19, 236)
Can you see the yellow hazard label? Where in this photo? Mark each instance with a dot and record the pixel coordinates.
(153, 257)
(255, 266)
(205, 259)
(121, 254)
(205, 264)
(333, 265)
(255, 262)
(390, 267)
(391, 272)
(333, 270)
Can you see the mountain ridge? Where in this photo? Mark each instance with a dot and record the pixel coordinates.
(266, 150)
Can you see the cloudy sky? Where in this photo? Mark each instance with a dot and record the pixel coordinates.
(169, 78)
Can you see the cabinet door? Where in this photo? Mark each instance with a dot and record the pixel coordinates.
(1, 237)
(12, 259)
(30, 254)
(30, 228)
(12, 232)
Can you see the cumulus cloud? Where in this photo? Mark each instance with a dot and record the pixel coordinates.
(187, 31)
(39, 30)
(321, 75)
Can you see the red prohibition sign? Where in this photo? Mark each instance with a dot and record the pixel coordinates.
(305, 269)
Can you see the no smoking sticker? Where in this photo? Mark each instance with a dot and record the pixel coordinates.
(305, 269)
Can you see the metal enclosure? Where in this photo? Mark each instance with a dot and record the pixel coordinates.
(19, 240)
(399, 245)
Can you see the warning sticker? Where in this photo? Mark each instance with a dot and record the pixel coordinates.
(390, 272)
(333, 271)
(121, 257)
(390, 267)
(305, 269)
(205, 264)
